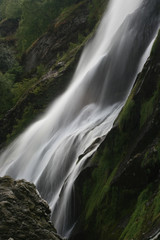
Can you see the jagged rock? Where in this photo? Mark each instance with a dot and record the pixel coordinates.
(24, 215)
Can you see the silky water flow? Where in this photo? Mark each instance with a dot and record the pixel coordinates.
(53, 151)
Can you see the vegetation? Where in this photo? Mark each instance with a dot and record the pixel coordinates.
(116, 204)
(148, 106)
(28, 94)
(121, 194)
(35, 17)
(10, 9)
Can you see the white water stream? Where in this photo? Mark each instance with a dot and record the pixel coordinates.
(47, 152)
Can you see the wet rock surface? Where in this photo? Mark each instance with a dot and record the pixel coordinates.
(24, 215)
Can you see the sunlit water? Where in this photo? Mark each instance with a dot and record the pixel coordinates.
(47, 152)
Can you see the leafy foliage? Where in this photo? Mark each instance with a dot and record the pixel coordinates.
(36, 18)
(10, 8)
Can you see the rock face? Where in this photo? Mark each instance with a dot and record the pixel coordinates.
(120, 197)
(24, 215)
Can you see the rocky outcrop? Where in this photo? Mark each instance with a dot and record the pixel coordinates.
(24, 215)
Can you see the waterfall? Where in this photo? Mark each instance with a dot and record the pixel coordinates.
(53, 151)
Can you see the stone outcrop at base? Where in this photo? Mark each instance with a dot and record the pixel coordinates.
(23, 214)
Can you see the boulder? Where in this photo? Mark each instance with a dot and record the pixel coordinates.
(24, 214)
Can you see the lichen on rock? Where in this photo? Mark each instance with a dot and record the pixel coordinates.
(24, 214)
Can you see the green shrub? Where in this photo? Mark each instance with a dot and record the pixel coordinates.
(10, 8)
(35, 19)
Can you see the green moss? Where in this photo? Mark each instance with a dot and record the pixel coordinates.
(125, 114)
(116, 212)
(100, 190)
(116, 209)
(156, 206)
(147, 107)
(108, 161)
(146, 215)
(151, 158)
(146, 110)
(137, 220)
(155, 47)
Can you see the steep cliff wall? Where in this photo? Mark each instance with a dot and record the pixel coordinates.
(121, 191)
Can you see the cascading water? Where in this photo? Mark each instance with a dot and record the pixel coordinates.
(48, 152)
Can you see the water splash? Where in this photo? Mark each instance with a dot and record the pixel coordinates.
(47, 153)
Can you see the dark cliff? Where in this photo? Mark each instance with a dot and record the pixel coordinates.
(121, 188)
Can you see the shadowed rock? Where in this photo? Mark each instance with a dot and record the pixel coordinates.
(24, 215)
